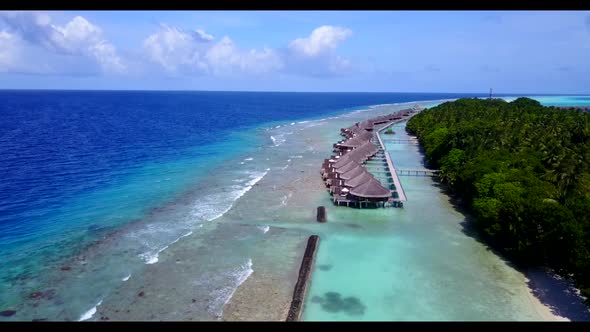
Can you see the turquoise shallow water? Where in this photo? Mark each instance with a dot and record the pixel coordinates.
(419, 263)
(560, 100)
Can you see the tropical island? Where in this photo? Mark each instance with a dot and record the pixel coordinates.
(522, 170)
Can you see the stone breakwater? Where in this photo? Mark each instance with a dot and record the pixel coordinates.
(303, 280)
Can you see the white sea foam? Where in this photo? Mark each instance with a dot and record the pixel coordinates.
(285, 198)
(284, 168)
(279, 126)
(214, 206)
(292, 123)
(223, 295)
(158, 236)
(314, 124)
(248, 159)
(241, 163)
(280, 139)
(127, 277)
(295, 156)
(88, 314)
(264, 229)
(153, 258)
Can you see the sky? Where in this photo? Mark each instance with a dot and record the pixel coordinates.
(360, 51)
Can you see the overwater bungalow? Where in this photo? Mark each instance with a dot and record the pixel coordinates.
(344, 173)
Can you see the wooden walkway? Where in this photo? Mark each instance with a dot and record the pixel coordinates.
(417, 172)
(398, 185)
(391, 170)
(401, 141)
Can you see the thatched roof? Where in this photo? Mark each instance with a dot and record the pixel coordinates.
(352, 164)
(353, 173)
(358, 180)
(357, 141)
(371, 189)
(342, 161)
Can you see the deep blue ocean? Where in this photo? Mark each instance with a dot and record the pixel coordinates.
(59, 145)
(77, 164)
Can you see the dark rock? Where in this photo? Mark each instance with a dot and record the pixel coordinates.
(321, 214)
(40, 320)
(332, 296)
(7, 313)
(353, 226)
(325, 267)
(65, 268)
(49, 294)
(141, 293)
(194, 300)
(333, 302)
(35, 295)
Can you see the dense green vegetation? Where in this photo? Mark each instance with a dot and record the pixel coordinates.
(389, 131)
(523, 171)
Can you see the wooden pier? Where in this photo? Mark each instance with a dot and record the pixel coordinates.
(417, 172)
(401, 141)
(390, 169)
(398, 185)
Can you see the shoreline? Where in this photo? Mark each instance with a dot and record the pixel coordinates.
(542, 309)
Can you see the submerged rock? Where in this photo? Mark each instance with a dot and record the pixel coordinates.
(333, 302)
(35, 295)
(353, 226)
(7, 313)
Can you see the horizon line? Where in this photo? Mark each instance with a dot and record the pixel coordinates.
(294, 91)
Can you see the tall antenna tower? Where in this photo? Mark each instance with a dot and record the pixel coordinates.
(490, 93)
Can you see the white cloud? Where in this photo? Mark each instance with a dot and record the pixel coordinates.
(78, 37)
(179, 51)
(32, 43)
(321, 40)
(8, 50)
(315, 55)
(175, 49)
(225, 58)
